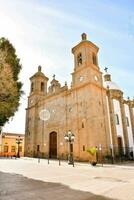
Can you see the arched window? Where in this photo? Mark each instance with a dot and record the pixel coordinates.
(127, 121)
(117, 119)
(42, 87)
(83, 147)
(82, 124)
(79, 59)
(53, 89)
(32, 87)
(94, 59)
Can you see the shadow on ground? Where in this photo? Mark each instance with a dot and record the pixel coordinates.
(14, 187)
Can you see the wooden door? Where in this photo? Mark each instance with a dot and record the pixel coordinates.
(53, 145)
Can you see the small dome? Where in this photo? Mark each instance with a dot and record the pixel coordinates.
(111, 85)
(108, 83)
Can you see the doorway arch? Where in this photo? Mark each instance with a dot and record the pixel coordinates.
(53, 145)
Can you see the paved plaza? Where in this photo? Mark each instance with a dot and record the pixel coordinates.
(26, 179)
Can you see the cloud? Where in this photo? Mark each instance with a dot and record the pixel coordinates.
(43, 33)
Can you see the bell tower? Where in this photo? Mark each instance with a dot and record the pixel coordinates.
(89, 94)
(86, 69)
(38, 86)
(39, 83)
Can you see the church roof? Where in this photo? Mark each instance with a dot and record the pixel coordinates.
(108, 83)
(84, 40)
(111, 85)
(39, 74)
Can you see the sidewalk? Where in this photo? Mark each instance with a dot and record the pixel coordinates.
(114, 181)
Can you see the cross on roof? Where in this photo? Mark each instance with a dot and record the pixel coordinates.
(54, 76)
(106, 69)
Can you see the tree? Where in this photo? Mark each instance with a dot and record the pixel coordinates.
(10, 86)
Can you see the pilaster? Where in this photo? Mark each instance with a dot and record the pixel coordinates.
(124, 124)
(131, 106)
(111, 112)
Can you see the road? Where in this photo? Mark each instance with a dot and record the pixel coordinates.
(26, 179)
(17, 187)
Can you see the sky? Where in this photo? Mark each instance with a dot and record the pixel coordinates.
(44, 31)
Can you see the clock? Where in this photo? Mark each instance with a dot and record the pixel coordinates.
(31, 101)
(81, 78)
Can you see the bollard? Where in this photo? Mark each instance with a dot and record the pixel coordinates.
(48, 161)
(59, 162)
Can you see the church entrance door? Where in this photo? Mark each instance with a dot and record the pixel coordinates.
(53, 145)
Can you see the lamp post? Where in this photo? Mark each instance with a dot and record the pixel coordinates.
(112, 153)
(100, 149)
(18, 142)
(69, 137)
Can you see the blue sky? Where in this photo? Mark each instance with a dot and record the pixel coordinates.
(44, 31)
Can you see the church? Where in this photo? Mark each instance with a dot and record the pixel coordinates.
(92, 109)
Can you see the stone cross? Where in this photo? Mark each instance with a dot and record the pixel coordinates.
(106, 69)
(54, 76)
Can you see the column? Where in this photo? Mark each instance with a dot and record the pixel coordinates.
(123, 116)
(131, 106)
(112, 119)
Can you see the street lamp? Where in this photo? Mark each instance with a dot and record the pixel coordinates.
(69, 137)
(18, 142)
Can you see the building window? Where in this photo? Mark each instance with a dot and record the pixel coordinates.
(94, 59)
(13, 148)
(5, 148)
(32, 87)
(42, 87)
(79, 59)
(83, 147)
(127, 121)
(82, 124)
(117, 119)
(53, 89)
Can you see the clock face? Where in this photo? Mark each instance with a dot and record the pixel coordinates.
(44, 114)
(31, 101)
(81, 78)
(95, 78)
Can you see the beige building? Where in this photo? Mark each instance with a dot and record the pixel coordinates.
(94, 110)
(9, 144)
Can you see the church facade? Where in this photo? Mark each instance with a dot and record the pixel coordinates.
(93, 109)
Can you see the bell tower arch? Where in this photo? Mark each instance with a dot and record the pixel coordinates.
(39, 83)
(38, 88)
(86, 67)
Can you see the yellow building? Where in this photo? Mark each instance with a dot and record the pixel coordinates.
(9, 144)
